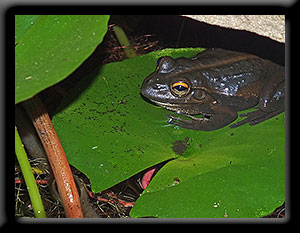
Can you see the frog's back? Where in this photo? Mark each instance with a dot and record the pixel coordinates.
(216, 57)
(233, 73)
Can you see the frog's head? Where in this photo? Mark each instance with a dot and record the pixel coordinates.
(173, 87)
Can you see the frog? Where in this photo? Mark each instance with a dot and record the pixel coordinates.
(208, 90)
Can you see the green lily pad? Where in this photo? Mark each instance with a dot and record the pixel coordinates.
(110, 133)
(50, 47)
(225, 173)
(22, 24)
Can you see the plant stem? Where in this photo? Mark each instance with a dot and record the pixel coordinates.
(32, 188)
(56, 156)
(124, 42)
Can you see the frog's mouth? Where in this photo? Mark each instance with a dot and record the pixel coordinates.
(173, 107)
(187, 112)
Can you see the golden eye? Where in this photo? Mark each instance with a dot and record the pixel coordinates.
(180, 88)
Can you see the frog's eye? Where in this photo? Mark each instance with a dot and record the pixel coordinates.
(180, 88)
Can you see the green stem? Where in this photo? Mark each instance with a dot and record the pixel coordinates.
(32, 188)
(123, 40)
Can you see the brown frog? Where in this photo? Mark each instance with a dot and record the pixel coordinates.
(216, 84)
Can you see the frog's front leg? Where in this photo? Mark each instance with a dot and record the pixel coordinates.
(222, 116)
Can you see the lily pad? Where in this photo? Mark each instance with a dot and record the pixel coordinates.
(109, 132)
(50, 47)
(225, 173)
(22, 24)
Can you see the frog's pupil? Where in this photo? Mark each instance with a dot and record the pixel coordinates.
(180, 88)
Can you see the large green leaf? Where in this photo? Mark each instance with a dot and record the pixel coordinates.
(110, 133)
(50, 47)
(23, 23)
(225, 173)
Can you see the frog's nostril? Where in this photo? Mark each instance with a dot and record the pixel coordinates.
(156, 86)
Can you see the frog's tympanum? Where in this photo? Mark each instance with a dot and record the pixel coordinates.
(216, 84)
